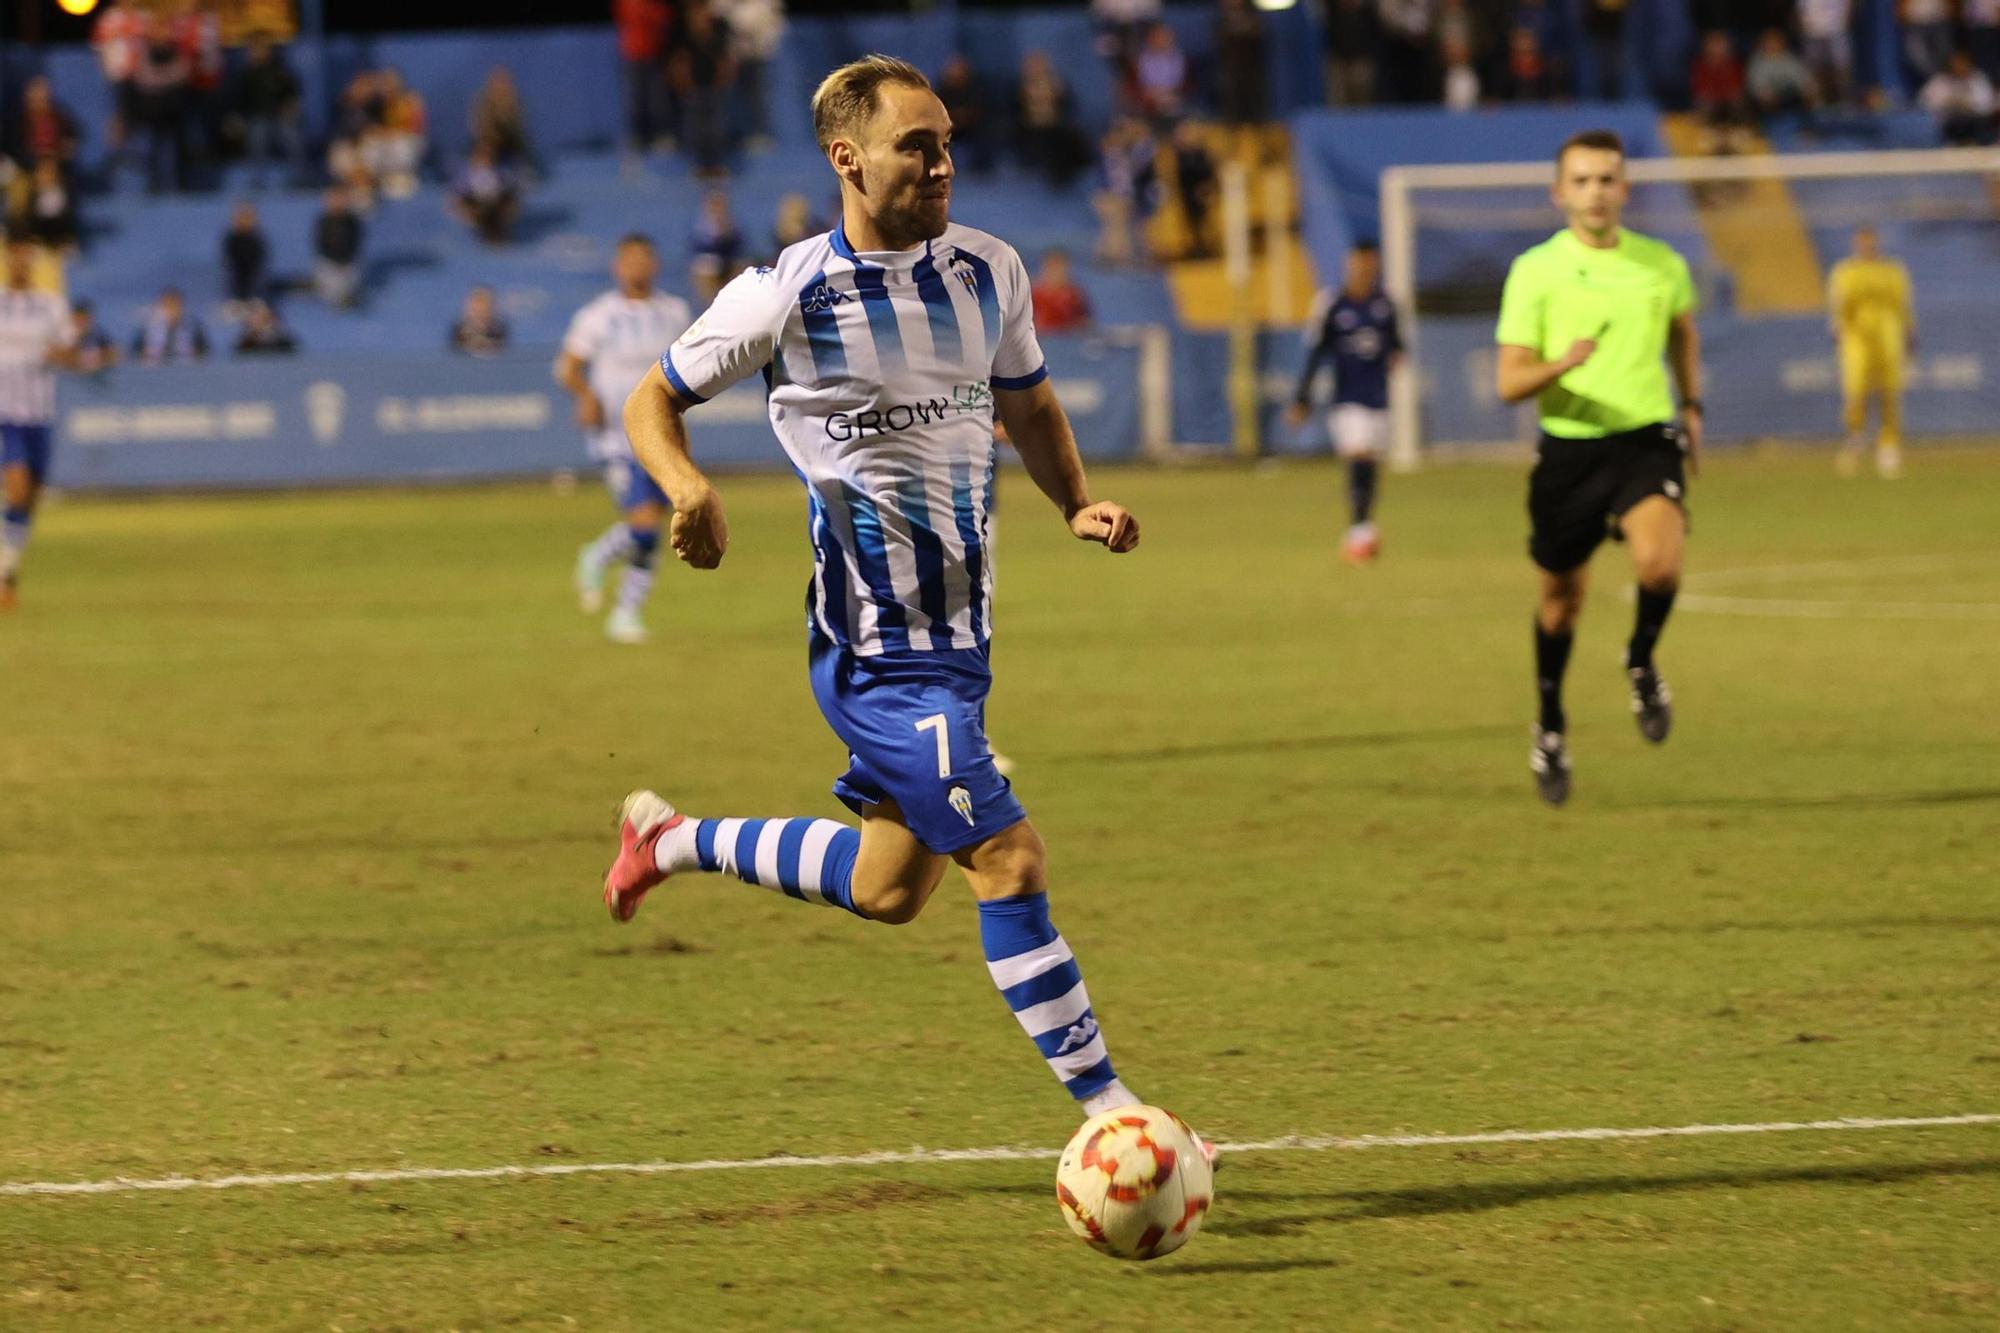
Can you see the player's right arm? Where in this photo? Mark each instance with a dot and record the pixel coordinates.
(1520, 372)
(580, 343)
(733, 339)
(655, 423)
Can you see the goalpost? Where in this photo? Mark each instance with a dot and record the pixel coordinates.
(1759, 231)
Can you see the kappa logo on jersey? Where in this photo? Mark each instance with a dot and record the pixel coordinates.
(1080, 1035)
(961, 801)
(824, 297)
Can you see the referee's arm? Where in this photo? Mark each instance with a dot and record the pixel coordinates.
(1684, 358)
(1522, 373)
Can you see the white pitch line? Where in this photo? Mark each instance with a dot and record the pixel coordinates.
(1801, 609)
(1290, 1143)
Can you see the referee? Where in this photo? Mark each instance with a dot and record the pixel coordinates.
(1589, 322)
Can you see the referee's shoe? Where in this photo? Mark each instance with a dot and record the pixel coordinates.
(1652, 703)
(1549, 761)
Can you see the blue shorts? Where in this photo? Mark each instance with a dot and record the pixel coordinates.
(29, 446)
(915, 728)
(631, 485)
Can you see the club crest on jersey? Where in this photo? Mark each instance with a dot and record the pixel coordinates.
(961, 801)
(823, 297)
(961, 269)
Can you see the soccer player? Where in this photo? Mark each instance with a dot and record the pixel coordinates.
(1589, 321)
(610, 344)
(1357, 333)
(888, 345)
(1874, 324)
(37, 337)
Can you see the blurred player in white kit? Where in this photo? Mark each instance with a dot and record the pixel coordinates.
(610, 345)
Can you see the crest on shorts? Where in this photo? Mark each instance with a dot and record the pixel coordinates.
(961, 801)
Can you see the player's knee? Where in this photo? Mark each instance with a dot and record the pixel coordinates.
(893, 904)
(1009, 865)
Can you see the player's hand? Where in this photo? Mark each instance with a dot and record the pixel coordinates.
(699, 533)
(1295, 415)
(1109, 523)
(1692, 429)
(589, 412)
(1578, 353)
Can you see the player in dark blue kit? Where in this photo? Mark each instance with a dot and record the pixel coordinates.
(1355, 329)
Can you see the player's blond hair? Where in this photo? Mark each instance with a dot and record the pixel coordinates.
(846, 98)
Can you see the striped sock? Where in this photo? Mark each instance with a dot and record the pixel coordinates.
(1038, 977)
(808, 859)
(637, 581)
(612, 545)
(14, 526)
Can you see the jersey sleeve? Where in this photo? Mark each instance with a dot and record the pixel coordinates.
(585, 336)
(1019, 363)
(1520, 308)
(1683, 287)
(734, 338)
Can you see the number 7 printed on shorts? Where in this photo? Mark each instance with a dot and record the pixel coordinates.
(936, 722)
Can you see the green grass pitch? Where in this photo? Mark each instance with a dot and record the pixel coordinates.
(304, 801)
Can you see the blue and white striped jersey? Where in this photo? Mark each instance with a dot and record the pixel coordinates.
(32, 325)
(880, 370)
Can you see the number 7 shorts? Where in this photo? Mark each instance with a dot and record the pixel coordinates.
(914, 724)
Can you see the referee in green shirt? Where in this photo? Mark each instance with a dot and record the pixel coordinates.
(1590, 321)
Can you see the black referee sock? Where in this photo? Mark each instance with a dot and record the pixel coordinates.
(1646, 626)
(1551, 661)
(1361, 488)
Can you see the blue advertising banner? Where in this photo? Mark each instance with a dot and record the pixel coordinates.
(338, 420)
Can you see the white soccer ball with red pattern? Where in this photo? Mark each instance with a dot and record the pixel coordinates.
(1134, 1182)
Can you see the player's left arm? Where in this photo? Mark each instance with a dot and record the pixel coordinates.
(1684, 357)
(1041, 435)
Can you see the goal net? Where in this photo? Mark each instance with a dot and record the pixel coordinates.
(1760, 234)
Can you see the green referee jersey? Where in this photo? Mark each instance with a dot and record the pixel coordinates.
(1626, 298)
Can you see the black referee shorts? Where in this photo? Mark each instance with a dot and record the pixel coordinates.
(1581, 488)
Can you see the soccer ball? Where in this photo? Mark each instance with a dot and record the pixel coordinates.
(1134, 1182)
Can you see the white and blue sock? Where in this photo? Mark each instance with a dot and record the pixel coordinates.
(808, 859)
(637, 583)
(1038, 977)
(612, 545)
(14, 525)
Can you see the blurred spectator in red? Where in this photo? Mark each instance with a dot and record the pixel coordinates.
(1961, 100)
(704, 73)
(964, 98)
(1045, 129)
(45, 131)
(119, 36)
(1778, 82)
(337, 236)
(642, 47)
(1405, 43)
(246, 258)
(1716, 84)
(1829, 46)
(1351, 41)
(1060, 305)
(160, 100)
(1461, 77)
(263, 333)
(1926, 36)
(1159, 86)
(1239, 43)
(1604, 33)
(715, 248)
(756, 27)
(1527, 75)
(1982, 36)
(480, 330)
(485, 195)
(168, 334)
(264, 108)
(499, 122)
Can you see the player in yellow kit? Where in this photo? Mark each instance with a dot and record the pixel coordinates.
(1868, 306)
